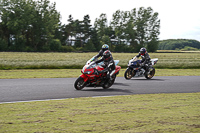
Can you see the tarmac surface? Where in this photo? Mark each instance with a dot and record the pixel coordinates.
(21, 90)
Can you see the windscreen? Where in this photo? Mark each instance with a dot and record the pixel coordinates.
(92, 65)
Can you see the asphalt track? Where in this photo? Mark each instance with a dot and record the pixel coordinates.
(17, 90)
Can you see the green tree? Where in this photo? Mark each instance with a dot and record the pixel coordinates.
(3, 45)
(86, 28)
(69, 31)
(50, 19)
(172, 44)
(116, 24)
(152, 45)
(100, 25)
(105, 33)
(55, 45)
(106, 40)
(120, 23)
(61, 34)
(147, 26)
(95, 39)
(136, 28)
(89, 46)
(29, 23)
(78, 30)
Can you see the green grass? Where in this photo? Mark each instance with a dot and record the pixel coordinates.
(177, 51)
(74, 73)
(39, 73)
(23, 60)
(153, 113)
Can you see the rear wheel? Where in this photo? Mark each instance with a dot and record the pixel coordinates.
(129, 74)
(79, 83)
(150, 73)
(109, 83)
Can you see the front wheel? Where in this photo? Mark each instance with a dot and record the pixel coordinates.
(150, 73)
(129, 74)
(79, 83)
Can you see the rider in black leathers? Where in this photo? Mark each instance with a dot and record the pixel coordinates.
(100, 54)
(145, 58)
(109, 64)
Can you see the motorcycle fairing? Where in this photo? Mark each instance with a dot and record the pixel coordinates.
(135, 64)
(154, 61)
(84, 77)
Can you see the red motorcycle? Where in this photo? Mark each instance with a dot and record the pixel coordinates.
(91, 77)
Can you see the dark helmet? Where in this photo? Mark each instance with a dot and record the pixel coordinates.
(105, 47)
(143, 51)
(106, 54)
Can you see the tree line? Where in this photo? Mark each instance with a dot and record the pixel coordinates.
(29, 25)
(179, 44)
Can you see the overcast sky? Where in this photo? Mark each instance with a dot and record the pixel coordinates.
(180, 19)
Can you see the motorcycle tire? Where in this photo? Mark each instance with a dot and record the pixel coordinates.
(129, 74)
(150, 74)
(109, 83)
(79, 84)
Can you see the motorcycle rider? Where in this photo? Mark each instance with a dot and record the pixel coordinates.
(100, 54)
(145, 58)
(109, 64)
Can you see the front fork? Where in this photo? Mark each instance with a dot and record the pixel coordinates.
(131, 72)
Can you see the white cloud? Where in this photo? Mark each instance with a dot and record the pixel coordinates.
(179, 18)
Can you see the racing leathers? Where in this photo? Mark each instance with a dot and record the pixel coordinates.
(109, 66)
(145, 60)
(100, 54)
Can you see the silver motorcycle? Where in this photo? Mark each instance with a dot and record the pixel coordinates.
(136, 70)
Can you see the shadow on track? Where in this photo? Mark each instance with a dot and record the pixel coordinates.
(147, 79)
(111, 89)
(107, 90)
(121, 84)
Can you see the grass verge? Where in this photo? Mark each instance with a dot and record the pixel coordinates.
(152, 113)
(23, 60)
(69, 73)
